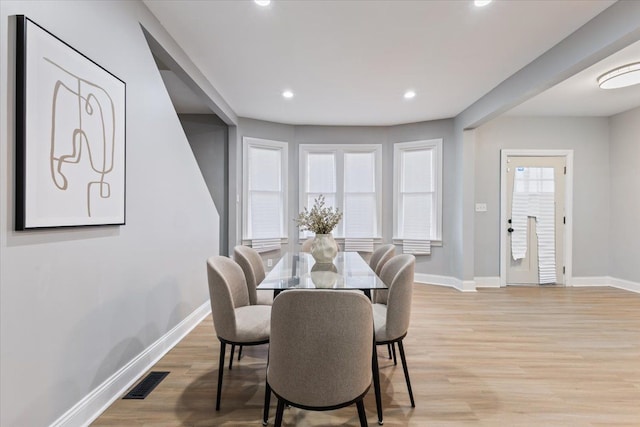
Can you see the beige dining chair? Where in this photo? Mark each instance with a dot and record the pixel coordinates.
(251, 263)
(378, 259)
(306, 245)
(235, 320)
(320, 351)
(391, 320)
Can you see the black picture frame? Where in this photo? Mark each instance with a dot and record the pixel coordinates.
(70, 135)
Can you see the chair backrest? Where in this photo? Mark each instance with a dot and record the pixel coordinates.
(320, 347)
(380, 256)
(306, 245)
(398, 273)
(227, 291)
(251, 263)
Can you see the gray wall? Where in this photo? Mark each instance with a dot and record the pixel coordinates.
(77, 305)
(624, 199)
(208, 137)
(440, 261)
(589, 138)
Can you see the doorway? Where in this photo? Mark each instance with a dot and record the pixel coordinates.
(536, 194)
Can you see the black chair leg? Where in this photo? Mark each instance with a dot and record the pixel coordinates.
(395, 360)
(389, 350)
(376, 384)
(233, 349)
(267, 402)
(220, 371)
(239, 353)
(406, 372)
(279, 412)
(361, 413)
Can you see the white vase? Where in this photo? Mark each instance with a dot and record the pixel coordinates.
(324, 248)
(324, 275)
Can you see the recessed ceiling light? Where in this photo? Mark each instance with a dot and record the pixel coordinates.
(262, 2)
(287, 94)
(409, 94)
(481, 3)
(627, 75)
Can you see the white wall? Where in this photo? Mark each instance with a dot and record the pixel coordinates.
(624, 199)
(589, 138)
(78, 304)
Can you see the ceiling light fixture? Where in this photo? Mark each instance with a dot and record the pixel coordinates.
(287, 94)
(409, 94)
(627, 75)
(481, 3)
(262, 2)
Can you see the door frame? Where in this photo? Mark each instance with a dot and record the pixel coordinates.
(568, 206)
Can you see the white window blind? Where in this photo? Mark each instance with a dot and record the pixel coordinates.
(264, 166)
(349, 178)
(417, 190)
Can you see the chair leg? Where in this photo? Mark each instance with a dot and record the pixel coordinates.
(233, 349)
(279, 412)
(376, 384)
(361, 413)
(239, 353)
(406, 372)
(389, 350)
(395, 360)
(223, 345)
(267, 402)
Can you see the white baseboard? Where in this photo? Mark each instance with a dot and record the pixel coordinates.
(625, 284)
(606, 281)
(494, 282)
(487, 282)
(590, 281)
(452, 282)
(96, 402)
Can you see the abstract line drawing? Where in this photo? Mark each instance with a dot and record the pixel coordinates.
(70, 135)
(89, 98)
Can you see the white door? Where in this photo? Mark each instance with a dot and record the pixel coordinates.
(535, 194)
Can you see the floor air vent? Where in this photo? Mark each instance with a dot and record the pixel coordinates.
(146, 386)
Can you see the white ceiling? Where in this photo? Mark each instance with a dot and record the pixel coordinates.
(349, 62)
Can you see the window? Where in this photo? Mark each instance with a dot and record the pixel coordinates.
(349, 177)
(264, 189)
(418, 190)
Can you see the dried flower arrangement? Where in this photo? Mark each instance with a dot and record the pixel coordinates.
(320, 219)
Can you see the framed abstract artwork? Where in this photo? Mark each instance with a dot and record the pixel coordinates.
(70, 135)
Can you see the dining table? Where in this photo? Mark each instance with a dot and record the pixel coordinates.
(298, 270)
(348, 271)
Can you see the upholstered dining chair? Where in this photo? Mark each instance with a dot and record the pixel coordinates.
(320, 351)
(235, 320)
(306, 245)
(251, 263)
(378, 259)
(391, 320)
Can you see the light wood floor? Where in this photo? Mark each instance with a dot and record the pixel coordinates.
(517, 356)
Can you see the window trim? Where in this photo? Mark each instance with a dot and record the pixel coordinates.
(400, 147)
(247, 143)
(339, 150)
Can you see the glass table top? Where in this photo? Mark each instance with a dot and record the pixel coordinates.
(300, 271)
